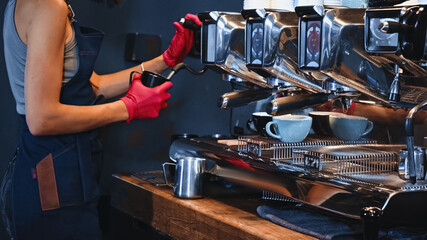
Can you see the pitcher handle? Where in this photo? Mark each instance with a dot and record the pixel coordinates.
(164, 172)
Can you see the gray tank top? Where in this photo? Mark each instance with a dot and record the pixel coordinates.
(15, 52)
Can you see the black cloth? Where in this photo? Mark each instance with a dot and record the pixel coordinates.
(321, 225)
(312, 223)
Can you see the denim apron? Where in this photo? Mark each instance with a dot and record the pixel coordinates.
(54, 187)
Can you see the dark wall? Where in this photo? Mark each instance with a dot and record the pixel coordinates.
(9, 126)
(9, 123)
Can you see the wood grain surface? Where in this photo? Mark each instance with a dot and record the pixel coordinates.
(208, 218)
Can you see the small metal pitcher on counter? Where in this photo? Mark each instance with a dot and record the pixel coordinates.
(188, 177)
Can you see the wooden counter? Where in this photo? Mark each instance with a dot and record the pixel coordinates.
(208, 218)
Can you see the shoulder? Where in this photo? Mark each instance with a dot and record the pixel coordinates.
(57, 8)
(49, 15)
(48, 9)
(35, 16)
(47, 24)
(52, 5)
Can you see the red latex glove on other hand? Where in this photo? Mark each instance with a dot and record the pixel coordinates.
(143, 102)
(181, 42)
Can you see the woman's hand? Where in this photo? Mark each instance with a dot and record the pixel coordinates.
(181, 43)
(143, 102)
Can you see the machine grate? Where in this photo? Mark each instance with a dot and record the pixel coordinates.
(350, 159)
(276, 150)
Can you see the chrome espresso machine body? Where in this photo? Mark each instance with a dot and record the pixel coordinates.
(271, 49)
(379, 52)
(343, 177)
(333, 42)
(222, 49)
(222, 45)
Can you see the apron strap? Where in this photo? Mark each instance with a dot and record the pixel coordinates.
(88, 167)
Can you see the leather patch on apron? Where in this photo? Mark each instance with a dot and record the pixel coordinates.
(47, 184)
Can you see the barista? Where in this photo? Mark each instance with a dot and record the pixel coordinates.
(51, 189)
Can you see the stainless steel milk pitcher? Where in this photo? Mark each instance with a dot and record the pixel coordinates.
(188, 177)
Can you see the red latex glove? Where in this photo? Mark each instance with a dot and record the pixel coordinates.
(181, 43)
(143, 102)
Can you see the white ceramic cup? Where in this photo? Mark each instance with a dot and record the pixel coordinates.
(332, 2)
(289, 128)
(309, 2)
(348, 127)
(254, 4)
(282, 5)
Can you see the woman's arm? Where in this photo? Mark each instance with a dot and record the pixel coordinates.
(114, 84)
(45, 36)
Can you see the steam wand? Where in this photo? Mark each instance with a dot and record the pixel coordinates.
(180, 66)
(409, 130)
(394, 95)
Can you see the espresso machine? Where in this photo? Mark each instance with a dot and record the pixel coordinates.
(402, 31)
(271, 46)
(222, 49)
(331, 53)
(387, 64)
(338, 43)
(272, 50)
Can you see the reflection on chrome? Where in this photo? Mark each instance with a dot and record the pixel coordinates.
(342, 194)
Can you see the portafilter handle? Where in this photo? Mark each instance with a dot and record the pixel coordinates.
(244, 97)
(291, 104)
